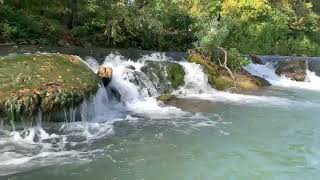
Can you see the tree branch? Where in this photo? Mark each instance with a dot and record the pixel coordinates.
(224, 65)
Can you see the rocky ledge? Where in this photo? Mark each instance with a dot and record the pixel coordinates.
(219, 79)
(31, 83)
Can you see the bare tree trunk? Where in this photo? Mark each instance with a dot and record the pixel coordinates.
(224, 65)
(72, 18)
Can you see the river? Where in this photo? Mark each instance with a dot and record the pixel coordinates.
(204, 134)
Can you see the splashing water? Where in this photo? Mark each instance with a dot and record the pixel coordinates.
(268, 72)
(196, 86)
(137, 98)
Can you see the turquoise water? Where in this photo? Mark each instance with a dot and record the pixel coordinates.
(217, 140)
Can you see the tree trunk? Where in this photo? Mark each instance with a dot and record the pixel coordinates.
(72, 18)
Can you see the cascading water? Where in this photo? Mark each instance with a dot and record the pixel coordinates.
(41, 145)
(267, 72)
(197, 87)
(138, 93)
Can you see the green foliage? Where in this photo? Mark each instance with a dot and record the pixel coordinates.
(284, 27)
(297, 46)
(235, 60)
(211, 35)
(250, 26)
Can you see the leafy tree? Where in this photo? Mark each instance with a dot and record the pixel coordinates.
(243, 26)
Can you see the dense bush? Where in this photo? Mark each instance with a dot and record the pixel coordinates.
(283, 27)
(260, 27)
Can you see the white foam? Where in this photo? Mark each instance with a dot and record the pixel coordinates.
(14, 163)
(157, 56)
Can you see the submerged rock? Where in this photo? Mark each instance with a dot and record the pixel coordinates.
(43, 82)
(166, 98)
(115, 94)
(166, 76)
(219, 79)
(292, 69)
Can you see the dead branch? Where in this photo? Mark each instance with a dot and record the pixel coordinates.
(224, 65)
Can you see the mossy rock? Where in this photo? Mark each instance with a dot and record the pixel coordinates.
(219, 79)
(46, 82)
(165, 75)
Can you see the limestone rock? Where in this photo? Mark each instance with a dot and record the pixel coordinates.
(105, 73)
(292, 69)
(256, 59)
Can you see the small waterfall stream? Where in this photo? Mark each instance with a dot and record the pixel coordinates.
(267, 72)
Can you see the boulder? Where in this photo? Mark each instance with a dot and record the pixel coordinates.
(256, 59)
(105, 73)
(131, 67)
(166, 76)
(47, 82)
(292, 69)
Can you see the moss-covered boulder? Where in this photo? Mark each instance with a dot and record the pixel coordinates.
(219, 78)
(46, 82)
(165, 75)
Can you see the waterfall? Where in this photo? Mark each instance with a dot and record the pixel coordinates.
(267, 72)
(139, 92)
